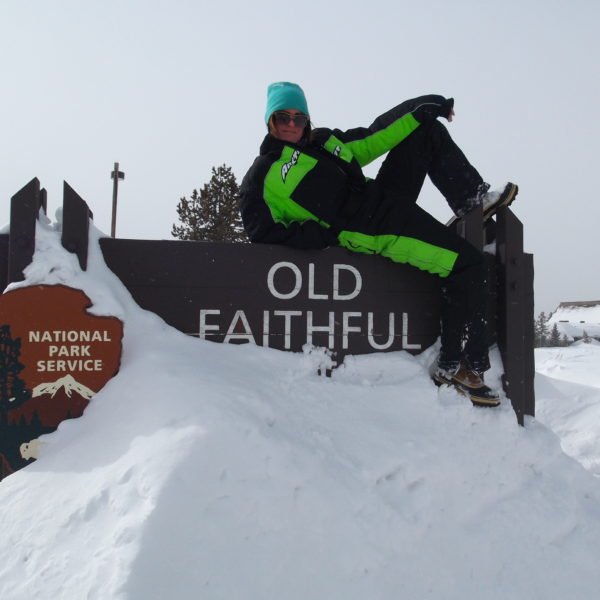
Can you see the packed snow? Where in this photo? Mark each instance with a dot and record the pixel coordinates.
(568, 398)
(228, 472)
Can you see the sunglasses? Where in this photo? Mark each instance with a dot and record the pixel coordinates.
(283, 118)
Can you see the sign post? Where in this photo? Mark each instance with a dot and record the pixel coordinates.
(115, 175)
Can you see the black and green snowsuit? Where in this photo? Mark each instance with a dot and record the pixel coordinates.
(314, 194)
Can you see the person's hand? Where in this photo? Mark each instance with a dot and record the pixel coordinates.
(433, 107)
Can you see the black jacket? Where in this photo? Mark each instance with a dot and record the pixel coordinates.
(301, 195)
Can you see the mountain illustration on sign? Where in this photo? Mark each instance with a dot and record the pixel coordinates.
(53, 402)
(68, 383)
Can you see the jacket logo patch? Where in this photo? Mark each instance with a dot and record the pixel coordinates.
(288, 165)
(337, 150)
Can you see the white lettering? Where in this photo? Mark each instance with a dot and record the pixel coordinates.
(271, 277)
(287, 315)
(336, 282)
(265, 328)
(405, 344)
(370, 334)
(240, 316)
(69, 366)
(346, 329)
(280, 324)
(60, 337)
(204, 328)
(311, 285)
(69, 350)
(311, 328)
(287, 166)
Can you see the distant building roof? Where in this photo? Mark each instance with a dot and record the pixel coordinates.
(575, 318)
(584, 303)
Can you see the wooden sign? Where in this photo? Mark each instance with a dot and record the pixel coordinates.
(281, 297)
(54, 356)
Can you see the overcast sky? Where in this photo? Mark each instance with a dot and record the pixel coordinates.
(171, 88)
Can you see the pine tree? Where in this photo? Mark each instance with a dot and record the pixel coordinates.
(586, 339)
(540, 328)
(554, 337)
(212, 215)
(12, 389)
(564, 340)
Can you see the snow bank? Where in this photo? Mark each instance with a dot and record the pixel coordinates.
(235, 472)
(568, 398)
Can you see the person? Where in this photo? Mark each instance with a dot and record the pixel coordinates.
(306, 189)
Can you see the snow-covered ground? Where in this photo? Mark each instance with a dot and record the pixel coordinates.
(568, 398)
(235, 472)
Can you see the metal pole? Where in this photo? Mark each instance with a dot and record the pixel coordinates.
(115, 176)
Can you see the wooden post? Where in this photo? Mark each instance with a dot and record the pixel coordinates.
(528, 336)
(515, 314)
(115, 176)
(76, 224)
(470, 227)
(44, 200)
(24, 211)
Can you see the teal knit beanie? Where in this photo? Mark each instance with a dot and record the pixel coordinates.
(284, 94)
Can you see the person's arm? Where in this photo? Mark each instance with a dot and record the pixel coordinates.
(393, 126)
(262, 228)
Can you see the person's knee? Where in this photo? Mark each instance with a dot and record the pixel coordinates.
(438, 134)
(469, 259)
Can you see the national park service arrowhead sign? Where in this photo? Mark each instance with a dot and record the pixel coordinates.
(54, 356)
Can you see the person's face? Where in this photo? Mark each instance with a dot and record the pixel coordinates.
(289, 131)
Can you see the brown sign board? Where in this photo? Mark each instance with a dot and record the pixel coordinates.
(280, 297)
(54, 356)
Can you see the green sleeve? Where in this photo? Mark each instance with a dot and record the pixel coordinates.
(377, 143)
(388, 130)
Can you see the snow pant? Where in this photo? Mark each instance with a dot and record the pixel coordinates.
(390, 223)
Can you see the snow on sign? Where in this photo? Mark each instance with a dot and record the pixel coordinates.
(54, 356)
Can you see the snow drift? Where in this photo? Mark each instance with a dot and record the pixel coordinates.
(235, 472)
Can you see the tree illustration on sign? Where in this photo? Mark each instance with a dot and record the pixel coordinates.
(13, 392)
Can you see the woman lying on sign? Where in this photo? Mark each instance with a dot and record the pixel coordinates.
(306, 189)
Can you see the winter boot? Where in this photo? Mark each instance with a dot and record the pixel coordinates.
(492, 201)
(470, 384)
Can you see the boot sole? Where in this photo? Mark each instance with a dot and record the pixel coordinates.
(506, 199)
(468, 392)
